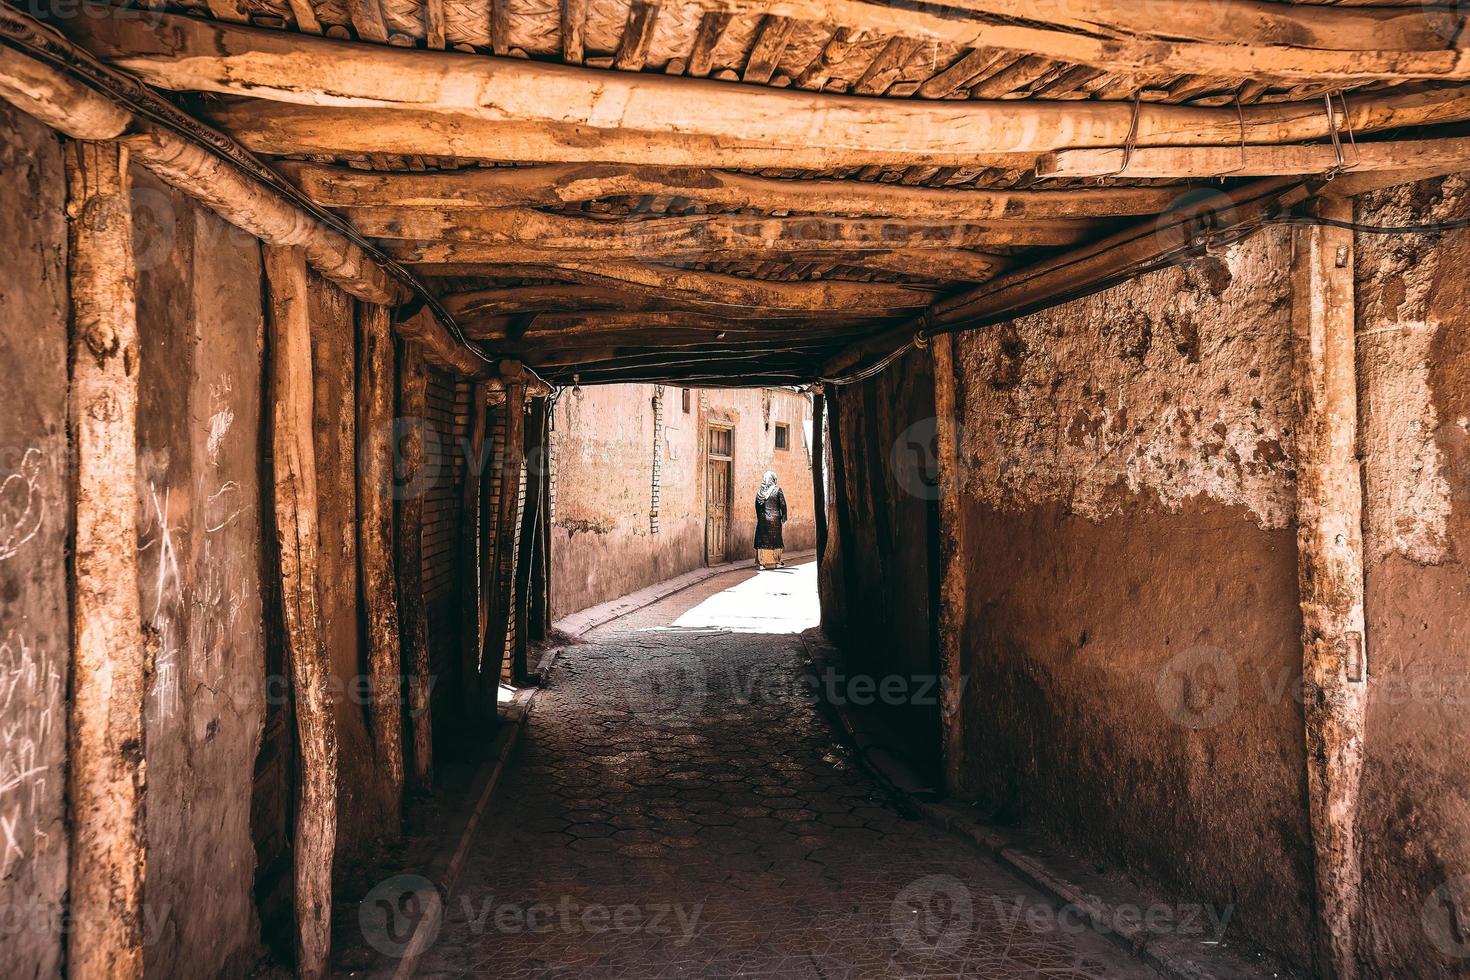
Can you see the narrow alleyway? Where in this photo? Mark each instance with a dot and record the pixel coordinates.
(677, 808)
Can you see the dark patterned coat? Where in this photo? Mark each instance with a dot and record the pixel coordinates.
(770, 514)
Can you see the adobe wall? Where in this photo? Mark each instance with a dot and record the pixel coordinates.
(1414, 388)
(35, 628)
(604, 542)
(200, 560)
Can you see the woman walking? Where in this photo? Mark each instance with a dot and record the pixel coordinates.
(770, 514)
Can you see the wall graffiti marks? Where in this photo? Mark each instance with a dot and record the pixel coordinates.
(31, 692)
(22, 505)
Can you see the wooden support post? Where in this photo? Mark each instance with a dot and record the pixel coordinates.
(295, 497)
(951, 564)
(108, 687)
(375, 382)
(1330, 564)
(472, 688)
(543, 578)
(819, 474)
(531, 517)
(413, 414)
(502, 607)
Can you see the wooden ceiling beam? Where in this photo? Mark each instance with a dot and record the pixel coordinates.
(931, 265)
(556, 185)
(697, 234)
(1223, 38)
(1259, 161)
(717, 290)
(580, 299)
(352, 97)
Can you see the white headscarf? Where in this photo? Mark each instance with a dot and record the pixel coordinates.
(768, 485)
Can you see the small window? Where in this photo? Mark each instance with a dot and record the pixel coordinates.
(686, 401)
(783, 435)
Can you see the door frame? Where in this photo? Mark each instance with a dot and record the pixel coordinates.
(711, 456)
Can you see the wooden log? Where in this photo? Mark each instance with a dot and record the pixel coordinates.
(413, 409)
(264, 214)
(507, 301)
(929, 265)
(544, 463)
(701, 55)
(503, 599)
(58, 101)
(653, 238)
(715, 289)
(440, 349)
(108, 685)
(369, 98)
(655, 325)
(472, 688)
(295, 489)
(1259, 161)
(952, 593)
(375, 389)
(555, 185)
(632, 50)
(1329, 497)
(573, 31)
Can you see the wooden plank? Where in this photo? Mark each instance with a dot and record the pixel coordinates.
(632, 50)
(502, 611)
(434, 26)
(500, 27)
(953, 606)
(573, 31)
(885, 67)
(959, 75)
(558, 184)
(712, 28)
(1329, 496)
(413, 410)
(294, 477)
(770, 43)
(1259, 161)
(473, 686)
(367, 20)
(376, 98)
(433, 232)
(108, 684)
(527, 550)
(375, 391)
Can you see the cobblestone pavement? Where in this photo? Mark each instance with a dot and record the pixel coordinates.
(678, 809)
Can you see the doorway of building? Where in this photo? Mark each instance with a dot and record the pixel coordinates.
(717, 497)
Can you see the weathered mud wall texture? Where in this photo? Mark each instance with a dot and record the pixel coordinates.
(603, 542)
(1134, 628)
(883, 543)
(199, 563)
(1414, 393)
(632, 483)
(35, 642)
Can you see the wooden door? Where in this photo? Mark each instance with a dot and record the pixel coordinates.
(717, 497)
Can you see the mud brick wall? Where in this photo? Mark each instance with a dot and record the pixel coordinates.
(1414, 396)
(35, 630)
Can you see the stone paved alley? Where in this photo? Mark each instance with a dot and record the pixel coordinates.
(677, 809)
